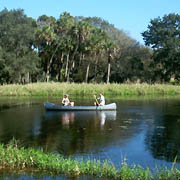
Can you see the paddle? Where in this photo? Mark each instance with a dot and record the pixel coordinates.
(96, 100)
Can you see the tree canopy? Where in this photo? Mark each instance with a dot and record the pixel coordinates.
(74, 49)
(163, 36)
(18, 57)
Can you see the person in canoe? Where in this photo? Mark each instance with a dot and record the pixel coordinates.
(66, 101)
(99, 101)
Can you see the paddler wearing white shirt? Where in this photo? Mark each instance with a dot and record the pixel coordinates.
(100, 101)
(66, 101)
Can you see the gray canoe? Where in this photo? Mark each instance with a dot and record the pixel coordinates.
(51, 106)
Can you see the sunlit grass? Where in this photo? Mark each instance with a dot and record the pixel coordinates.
(19, 159)
(83, 89)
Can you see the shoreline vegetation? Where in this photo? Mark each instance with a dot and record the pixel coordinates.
(17, 159)
(83, 89)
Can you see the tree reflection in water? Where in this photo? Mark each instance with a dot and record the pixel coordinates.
(163, 138)
(72, 131)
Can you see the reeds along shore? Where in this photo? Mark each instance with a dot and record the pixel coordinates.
(14, 158)
(58, 89)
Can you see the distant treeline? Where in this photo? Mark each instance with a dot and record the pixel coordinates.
(81, 49)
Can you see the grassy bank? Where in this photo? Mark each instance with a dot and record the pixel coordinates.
(19, 159)
(58, 89)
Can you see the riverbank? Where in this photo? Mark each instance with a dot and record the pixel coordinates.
(21, 160)
(58, 89)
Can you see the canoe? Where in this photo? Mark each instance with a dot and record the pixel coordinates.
(50, 107)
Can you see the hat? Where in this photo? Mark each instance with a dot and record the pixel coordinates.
(66, 95)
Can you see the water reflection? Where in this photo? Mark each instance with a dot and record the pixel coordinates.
(68, 117)
(76, 131)
(163, 138)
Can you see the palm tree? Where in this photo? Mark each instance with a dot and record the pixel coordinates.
(47, 41)
(110, 48)
(66, 25)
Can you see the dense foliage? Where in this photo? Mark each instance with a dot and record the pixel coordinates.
(18, 60)
(163, 35)
(80, 49)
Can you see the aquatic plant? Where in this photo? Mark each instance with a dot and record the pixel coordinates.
(83, 89)
(15, 158)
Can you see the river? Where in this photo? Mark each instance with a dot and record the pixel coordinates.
(143, 130)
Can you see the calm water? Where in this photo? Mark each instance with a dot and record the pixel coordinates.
(142, 131)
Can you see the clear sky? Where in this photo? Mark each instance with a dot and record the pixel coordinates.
(132, 16)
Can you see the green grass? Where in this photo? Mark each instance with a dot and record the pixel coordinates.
(83, 89)
(14, 158)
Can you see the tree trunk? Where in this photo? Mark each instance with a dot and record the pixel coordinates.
(74, 53)
(109, 69)
(47, 76)
(95, 70)
(59, 71)
(68, 75)
(49, 65)
(28, 77)
(48, 70)
(73, 65)
(67, 63)
(87, 73)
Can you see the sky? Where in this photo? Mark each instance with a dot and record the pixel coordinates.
(131, 16)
